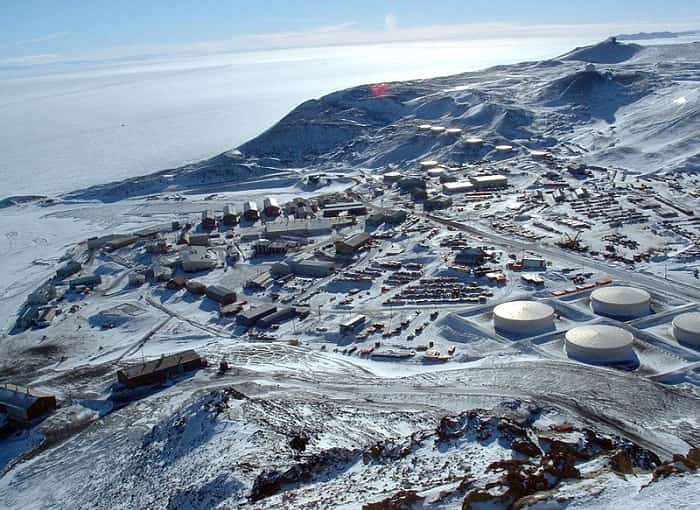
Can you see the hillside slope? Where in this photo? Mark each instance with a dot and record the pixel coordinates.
(637, 112)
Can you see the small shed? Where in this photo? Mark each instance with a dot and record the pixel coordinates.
(199, 240)
(42, 295)
(221, 294)
(250, 210)
(68, 269)
(196, 288)
(230, 217)
(271, 206)
(208, 219)
(24, 404)
(85, 281)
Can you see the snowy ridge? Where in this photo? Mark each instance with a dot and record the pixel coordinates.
(607, 52)
(647, 118)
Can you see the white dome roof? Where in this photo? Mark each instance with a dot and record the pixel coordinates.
(621, 302)
(621, 296)
(599, 336)
(524, 311)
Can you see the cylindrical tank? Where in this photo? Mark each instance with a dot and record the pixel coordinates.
(524, 317)
(599, 343)
(621, 302)
(686, 328)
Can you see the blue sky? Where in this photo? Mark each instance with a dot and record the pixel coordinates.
(37, 30)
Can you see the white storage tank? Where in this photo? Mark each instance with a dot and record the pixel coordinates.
(621, 302)
(686, 328)
(599, 343)
(524, 317)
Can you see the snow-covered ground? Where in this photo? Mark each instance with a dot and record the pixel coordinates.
(426, 403)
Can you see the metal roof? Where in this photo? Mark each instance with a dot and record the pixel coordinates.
(19, 397)
(164, 363)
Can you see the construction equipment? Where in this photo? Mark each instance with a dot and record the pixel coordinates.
(572, 243)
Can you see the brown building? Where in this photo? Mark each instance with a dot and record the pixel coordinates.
(208, 219)
(221, 294)
(23, 404)
(251, 316)
(159, 370)
(230, 216)
(271, 207)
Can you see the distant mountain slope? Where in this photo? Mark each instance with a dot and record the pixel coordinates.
(623, 104)
(645, 36)
(609, 51)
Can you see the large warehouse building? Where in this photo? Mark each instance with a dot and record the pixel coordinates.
(524, 317)
(599, 343)
(489, 181)
(686, 328)
(621, 302)
(159, 370)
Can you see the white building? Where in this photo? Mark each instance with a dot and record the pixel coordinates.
(198, 258)
(489, 181)
(531, 263)
(250, 210)
(391, 177)
(457, 187)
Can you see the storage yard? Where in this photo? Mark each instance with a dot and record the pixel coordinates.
(263, 272)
